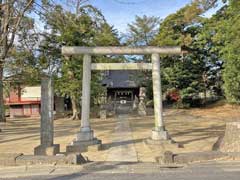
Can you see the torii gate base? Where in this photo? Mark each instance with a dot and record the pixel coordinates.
(85, 137)
(83, 142)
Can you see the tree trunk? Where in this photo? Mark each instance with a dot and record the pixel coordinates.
(2, 111)
(205, 96)
(205, 80)
(75, 109)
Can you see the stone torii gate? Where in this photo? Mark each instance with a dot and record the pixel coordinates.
(85, 136)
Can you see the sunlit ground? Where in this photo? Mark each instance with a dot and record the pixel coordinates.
(196, 129)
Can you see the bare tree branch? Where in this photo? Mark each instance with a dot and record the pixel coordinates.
(20, 16)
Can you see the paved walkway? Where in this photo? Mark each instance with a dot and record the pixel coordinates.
(122, 148)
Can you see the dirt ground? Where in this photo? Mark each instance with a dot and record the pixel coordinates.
(196, 129)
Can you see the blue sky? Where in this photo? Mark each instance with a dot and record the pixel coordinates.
(121, 12)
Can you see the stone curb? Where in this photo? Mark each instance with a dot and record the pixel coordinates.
(234, 155)
(184, 158)
(37, 170)
(7, 159)
(198, 156)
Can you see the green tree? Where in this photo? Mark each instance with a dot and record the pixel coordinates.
(229, 34)
(193, 73)
(140, 33)
(221, 37)
(85, 27)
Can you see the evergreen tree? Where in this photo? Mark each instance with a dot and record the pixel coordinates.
(140, 33)
(86, 27)
(231, 51)
(191, 74)
(222, 37)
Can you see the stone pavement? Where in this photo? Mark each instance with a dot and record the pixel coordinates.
(120, 150)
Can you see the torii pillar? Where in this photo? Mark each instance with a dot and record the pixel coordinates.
(85, 136)
(159, 132)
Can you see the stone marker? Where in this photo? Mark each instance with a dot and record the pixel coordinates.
(46, 146)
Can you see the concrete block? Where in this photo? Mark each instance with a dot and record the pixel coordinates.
(48, 151)
(9, 159)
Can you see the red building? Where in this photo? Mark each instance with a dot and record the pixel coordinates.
(24, 102)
